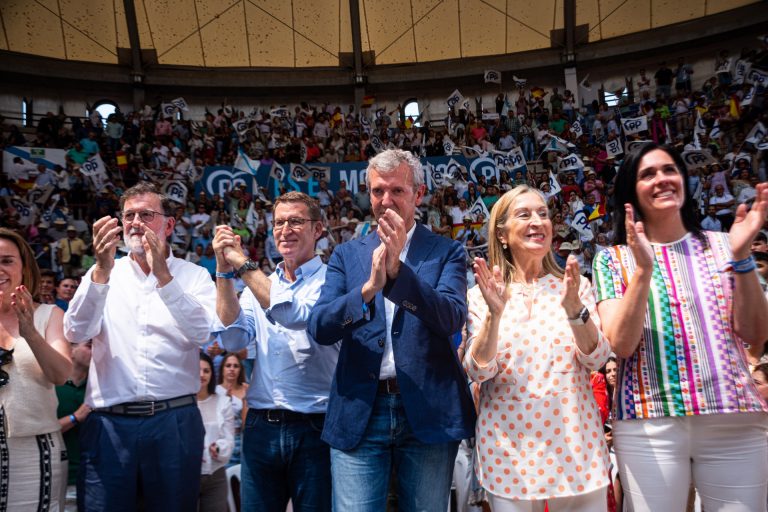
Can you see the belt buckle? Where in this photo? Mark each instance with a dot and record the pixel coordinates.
(146, 409)
(270, 418)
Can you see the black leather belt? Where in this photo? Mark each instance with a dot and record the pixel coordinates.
(283, 415)
(147, 408)
(388, 387)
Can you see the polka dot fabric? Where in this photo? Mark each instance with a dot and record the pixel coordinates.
(539, 433)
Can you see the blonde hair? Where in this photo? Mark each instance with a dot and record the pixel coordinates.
(503, 258)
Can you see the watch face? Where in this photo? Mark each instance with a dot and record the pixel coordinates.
(584, 314)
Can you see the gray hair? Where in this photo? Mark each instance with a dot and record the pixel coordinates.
(389, 160)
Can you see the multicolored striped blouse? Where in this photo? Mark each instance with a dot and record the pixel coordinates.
(689, 360)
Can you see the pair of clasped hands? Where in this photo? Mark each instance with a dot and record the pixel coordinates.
(386, 257)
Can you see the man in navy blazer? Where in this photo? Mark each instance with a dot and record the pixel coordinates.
(399, 396)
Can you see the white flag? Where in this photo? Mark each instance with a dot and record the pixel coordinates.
(757, 77)
(631, 145)
(279, 112)
(634, 125)
(577, 129)
(554, 185)
(376, 144)
(697, 158)
(276, 172)
(700, 128)
(741, 70)
(756, 134)
(492, 76)
(180, 104)
(613, 148)
(725, 67)
(581, 224)
(519, 82)
(479, 211)
(168, 109)
(176, 191)
(516, 158)
(303, 152)
(716, 132)
(300, 172)
(24, 210)
(241, 126)
(454, 99)
(320, 173)
(94, 166)
(453, 171)
(569, 163)
(748, 97)
(448, 146)
(555, 143)
(437, 177)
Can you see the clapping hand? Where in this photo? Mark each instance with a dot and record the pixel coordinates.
(155, 249)
(106, 236)
(226, 246)
(636, 239)
(378, 277)
(24, 306)
(569, 298)
(492, 286)
(393, 235)
(747, 224)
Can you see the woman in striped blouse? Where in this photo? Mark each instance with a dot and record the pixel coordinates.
(679, 305)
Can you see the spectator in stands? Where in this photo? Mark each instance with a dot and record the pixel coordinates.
(394, 321)
(663, 79)
(70, 251)
(218, 420)
(65, 290)
(144, 372)
(34, 356)
(711, 222)
(724, 203)
(47, 293)
(668, 432)
(525, 309)
(283, 457)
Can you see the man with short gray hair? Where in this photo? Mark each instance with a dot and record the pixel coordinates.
(399, 398)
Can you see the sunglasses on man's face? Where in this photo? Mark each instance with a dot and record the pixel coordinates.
(6, 356)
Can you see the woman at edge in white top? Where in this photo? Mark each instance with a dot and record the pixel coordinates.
(218, 419)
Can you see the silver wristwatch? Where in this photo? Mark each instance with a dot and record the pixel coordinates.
(581, 318)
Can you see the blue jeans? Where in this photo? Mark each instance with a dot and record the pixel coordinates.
(157, 457)
(361, 475)
(282, 461)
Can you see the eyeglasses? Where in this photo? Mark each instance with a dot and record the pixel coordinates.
(146, 216)
(6, 356)
(292, 222)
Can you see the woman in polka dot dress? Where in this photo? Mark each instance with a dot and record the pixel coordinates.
(533, 339)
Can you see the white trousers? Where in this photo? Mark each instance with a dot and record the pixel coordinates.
(590, 502)
(726, 455)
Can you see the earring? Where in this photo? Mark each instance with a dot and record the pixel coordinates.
(504, 245)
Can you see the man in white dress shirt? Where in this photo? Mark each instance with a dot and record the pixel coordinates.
(148, 314)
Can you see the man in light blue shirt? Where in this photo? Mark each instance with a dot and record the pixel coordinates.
(283, 456)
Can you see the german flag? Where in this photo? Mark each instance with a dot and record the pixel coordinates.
(122, 160)
(368, 101)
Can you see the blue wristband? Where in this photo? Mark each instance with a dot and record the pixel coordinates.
(744, 266)
(73, 419)
(225, 275)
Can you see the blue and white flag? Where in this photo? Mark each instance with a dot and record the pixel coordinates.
(748, 97)
(570, 162)
(519, 82)
(175, 191)
(554, 186)
(577, 129)
(613, 148)
(276, 172)
(580, 223)
(454, 99)
(479, 211)
(168, 109)
(180, 104)
(716, 132)
(246, 164)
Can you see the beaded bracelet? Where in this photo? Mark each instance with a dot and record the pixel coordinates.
(744, 266)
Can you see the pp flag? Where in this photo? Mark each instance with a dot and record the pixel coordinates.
(519, 82)
(725, 66)
(24, 210)
(320, 173)
(716, 132)
(748, 97)
(300, 172)
(168, 109)
(279, 112)
(580, 223)
(454, 99)
(756, 134)
(276, 172)
(492, 76)
(376, 144)
(634, 125)
(631, 145)
(571, 162)
(516, 159)
(740, 72)
(697, 158)
(577, 129)
(757, 77)
(176, 191)
(448, 146)
(701, 127)
(438, 178)
(453, 171)
(180, 104)
(241, 126)
(554, 185)
(94, 166)
(479, 211)
(613, 148)
(556, 144)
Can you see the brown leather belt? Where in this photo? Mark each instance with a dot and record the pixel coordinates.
(388, 387)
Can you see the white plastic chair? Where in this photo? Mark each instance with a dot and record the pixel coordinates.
(233, 472)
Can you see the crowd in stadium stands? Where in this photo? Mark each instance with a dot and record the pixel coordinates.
(149, 146)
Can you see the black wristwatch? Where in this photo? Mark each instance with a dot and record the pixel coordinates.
(581, 318)
(248, 265)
